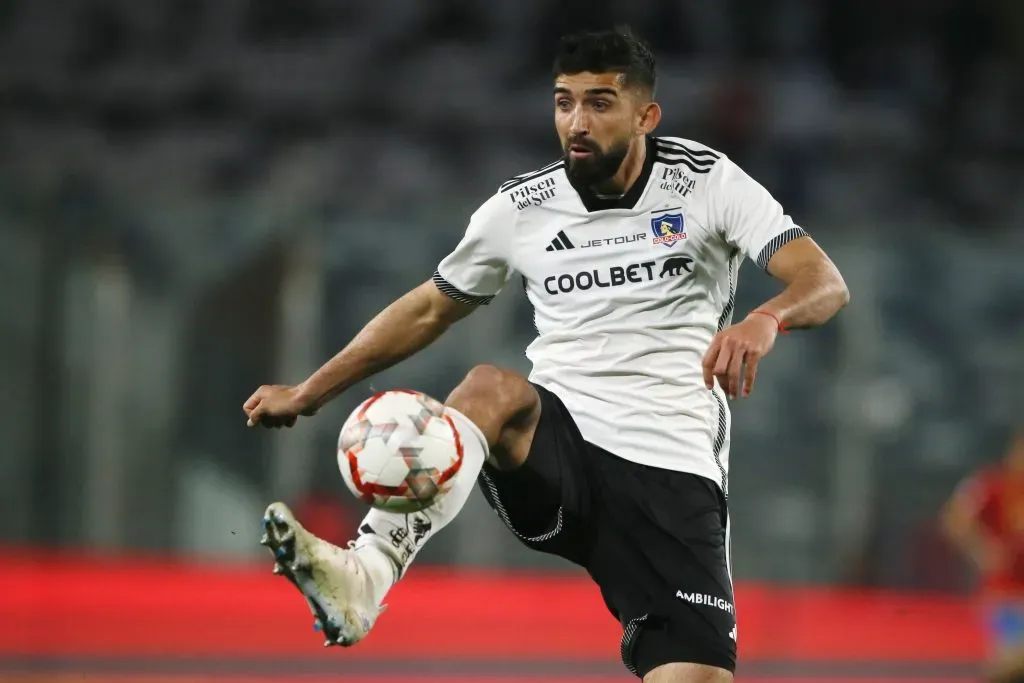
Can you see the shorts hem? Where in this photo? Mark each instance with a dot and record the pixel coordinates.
(495, 498)
(660, 653)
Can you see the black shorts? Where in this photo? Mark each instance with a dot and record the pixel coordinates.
(653, 540)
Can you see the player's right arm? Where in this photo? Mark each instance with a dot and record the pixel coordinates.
(404, 328)
(467, 278)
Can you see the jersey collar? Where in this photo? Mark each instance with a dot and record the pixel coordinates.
(592, 202)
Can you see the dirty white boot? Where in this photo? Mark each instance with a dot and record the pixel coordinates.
(334, 581)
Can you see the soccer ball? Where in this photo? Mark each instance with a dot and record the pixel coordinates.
(398, 451)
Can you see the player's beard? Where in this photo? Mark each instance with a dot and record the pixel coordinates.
(599, 167)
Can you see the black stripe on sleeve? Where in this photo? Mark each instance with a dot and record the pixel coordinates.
(689, 151)
(527, 177)
(687, 154)
(669, 161)
(671, 156)
(516, 178)
(777, 242)
(457, 294)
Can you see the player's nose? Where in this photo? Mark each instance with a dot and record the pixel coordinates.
(579, 126)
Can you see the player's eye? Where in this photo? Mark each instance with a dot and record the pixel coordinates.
(563, 103)
(601, 105)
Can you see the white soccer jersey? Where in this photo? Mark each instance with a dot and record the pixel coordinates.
(628, 293)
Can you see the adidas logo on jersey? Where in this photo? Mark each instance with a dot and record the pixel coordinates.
(560, 243)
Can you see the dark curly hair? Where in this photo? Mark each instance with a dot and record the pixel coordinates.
(617, 50)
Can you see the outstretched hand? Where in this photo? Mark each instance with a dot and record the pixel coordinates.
(276, 405)
(735, 352)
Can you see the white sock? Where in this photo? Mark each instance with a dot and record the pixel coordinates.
(389, 541)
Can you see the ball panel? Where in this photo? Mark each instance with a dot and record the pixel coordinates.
(399, 451)
(373, 458)
(422, 484)
(391, 405)
(403, 506)
(360, 431)
(392, 475)
(438, 428)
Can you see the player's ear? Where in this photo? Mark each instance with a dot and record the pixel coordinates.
(650, 117)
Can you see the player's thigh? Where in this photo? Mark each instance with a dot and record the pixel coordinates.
(660, 559)
(545, 500)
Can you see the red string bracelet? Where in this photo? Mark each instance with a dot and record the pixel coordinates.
(782, 328)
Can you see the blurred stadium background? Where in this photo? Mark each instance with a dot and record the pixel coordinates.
(200, 197)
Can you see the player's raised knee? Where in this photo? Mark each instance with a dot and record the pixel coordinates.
(494, 398)
(486, 375)
(504, 387)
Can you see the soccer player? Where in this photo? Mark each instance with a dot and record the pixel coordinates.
(614, 453)
(985, 519)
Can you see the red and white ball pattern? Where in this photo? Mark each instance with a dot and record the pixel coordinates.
(398, 451)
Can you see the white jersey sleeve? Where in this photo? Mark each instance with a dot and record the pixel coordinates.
(478, 268)
(749, 218)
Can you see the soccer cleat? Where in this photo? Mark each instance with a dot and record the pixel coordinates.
(332, 579)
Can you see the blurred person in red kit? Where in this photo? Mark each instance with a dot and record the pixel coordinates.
(985, 519)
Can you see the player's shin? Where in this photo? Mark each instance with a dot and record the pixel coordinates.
(389, 541)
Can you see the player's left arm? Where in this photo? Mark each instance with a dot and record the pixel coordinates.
(753, 222)
(814, 288)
